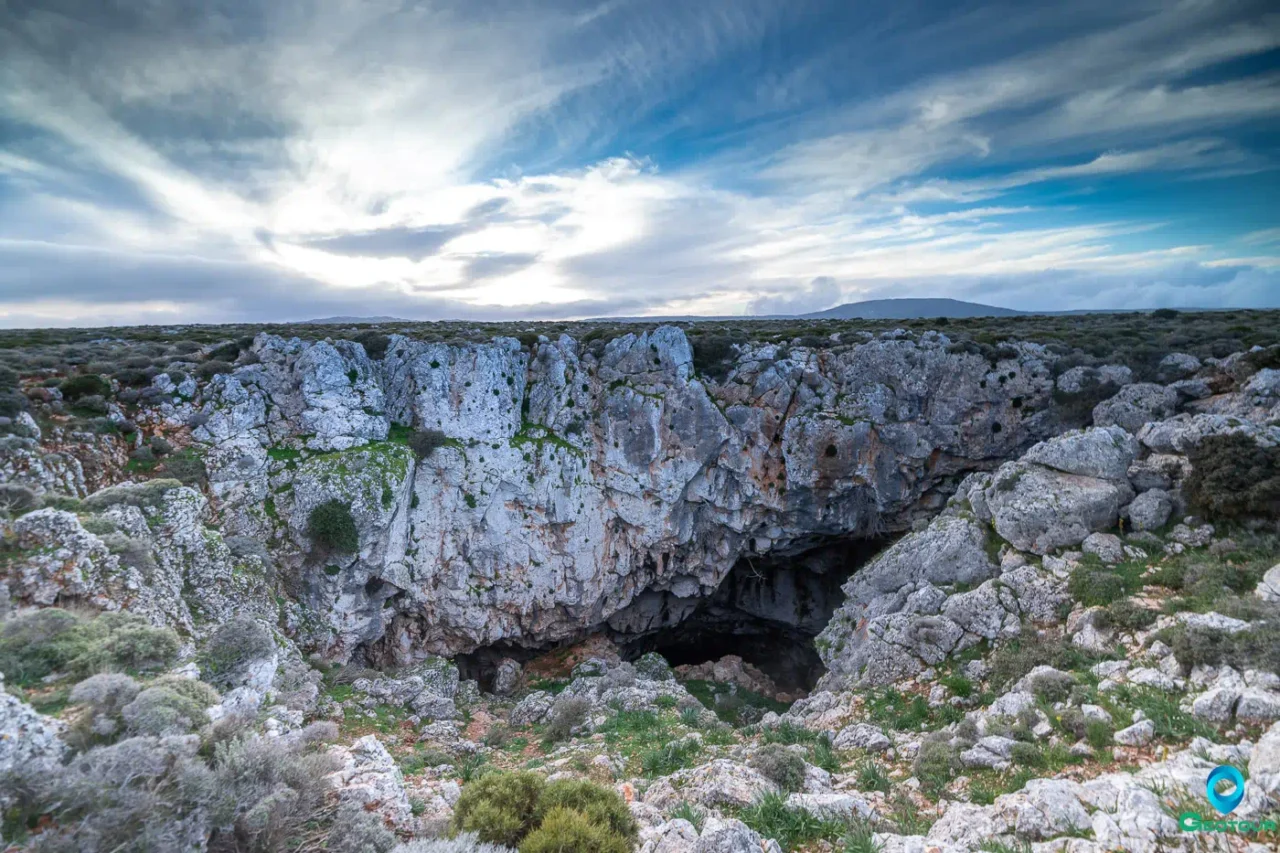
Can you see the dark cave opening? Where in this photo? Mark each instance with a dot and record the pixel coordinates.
(766, 611)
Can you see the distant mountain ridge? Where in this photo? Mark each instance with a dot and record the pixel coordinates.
(909, 309)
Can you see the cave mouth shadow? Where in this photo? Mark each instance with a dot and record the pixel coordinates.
(766, 611)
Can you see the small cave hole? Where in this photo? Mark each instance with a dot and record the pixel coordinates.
(831, 451)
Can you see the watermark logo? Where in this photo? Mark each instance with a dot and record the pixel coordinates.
(1225, 790)
(1225, 802)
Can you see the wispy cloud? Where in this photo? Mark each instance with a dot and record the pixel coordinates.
(546, 158)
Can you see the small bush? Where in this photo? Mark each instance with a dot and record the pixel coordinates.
(568, 831)
(602, 806)
(16, 499)
(210, 369)
(935, 764)
(187, 468)
(1124, 615)
(780, 765)
(500, 808)
(232, 648)
(1255, 648)
(567, 714)
(272, 792)
(1017, 657)
(358, 831)
(332, 527)
(424, 442)
(105, 695)
(1232, 477)
(85, 385)
(713, 354)
(159, 711)
(375, 344)
(1092, 587)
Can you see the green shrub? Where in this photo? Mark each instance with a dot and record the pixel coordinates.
(187, 467)
(35, 644)
(424, 442)
(1232, 477)
(1092, 587)
(871, 777)
(148, 495)
(500, 808)
(159, 712)
(602, 806)
(568, 713)
(1027, 755)
(84, 385)
(568, 831)
(210, 369)
(935, 764)
(332, 527)
(375, 343)
(1015, 658)
(467, 842)
(791, 828)
(780, 765)
(1124, 615)
(713, 355)
(1255, 648)
(232, 648)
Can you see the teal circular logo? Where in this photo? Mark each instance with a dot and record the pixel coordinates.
(1225, 803)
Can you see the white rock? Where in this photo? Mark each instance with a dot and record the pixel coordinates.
(1138, 734)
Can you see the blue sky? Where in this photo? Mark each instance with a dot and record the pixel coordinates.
(228, 161)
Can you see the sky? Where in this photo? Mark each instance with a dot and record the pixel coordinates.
(175, 161)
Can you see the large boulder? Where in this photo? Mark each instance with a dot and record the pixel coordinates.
(1135, 406)
(1103, 452)
(1040, 510)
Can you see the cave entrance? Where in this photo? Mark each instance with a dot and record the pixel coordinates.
(766, 611)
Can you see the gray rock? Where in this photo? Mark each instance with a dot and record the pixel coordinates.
(1135, 406)
(732, 836)
(862, 736)
(1104, 453)
(507, 677)
(1177, 365)
(991, 752)
(1138, 734)
(1074, 380)
(1107, 547)
(832, 806)
(27, 738)
(1039, 510)
(1269, 587)
(1258, 706)
(1150, 510)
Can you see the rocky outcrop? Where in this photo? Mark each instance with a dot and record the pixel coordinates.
(572, 481)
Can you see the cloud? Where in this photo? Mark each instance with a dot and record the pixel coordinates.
(545, 158)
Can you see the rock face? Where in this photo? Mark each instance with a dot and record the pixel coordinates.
(571, 482)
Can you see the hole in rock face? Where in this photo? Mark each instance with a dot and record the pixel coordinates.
(766, 611)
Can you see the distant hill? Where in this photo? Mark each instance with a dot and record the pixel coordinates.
(909, 309)
(339, 321)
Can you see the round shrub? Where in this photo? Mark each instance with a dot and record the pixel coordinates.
(601, 806)
(160, 711)
(1232, 477)
(332, 528)
(424, 442)
(34, 644)
(194, 689)
(233, 648)
(569, 831)
(780, 765)
(500, 808)
(210, 369)
(85, 385)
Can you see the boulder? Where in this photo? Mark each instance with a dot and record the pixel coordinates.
(1135, 406)
(1102, 452)
(1040, 510)
(1150, 510)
